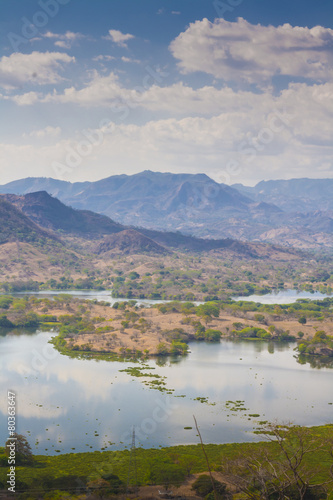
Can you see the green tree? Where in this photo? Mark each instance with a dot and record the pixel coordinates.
(23, 453)
(212, 335)
(162, 349)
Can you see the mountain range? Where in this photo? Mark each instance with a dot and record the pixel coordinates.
(48, 216)
(296, 212)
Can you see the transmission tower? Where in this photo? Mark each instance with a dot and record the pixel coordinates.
(132, 480)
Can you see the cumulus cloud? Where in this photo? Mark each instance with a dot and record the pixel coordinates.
(37, 68)
(177, 98)
(119, 38)
(273, 137)
(101, 90)
(63, 40)
(242, 52)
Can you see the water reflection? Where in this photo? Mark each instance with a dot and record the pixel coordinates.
(315, 361)
(66, 403)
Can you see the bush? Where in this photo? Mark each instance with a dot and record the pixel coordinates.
(162, 349)
(178, 347)
(5, 302)
(203, 487)
(212, 335)
(5, 322)
(64, 483)
(116, 485)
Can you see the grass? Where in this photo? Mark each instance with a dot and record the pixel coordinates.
(93, 465)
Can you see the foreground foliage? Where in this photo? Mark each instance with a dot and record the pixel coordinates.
(292, 463)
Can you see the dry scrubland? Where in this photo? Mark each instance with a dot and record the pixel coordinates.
(136, 328)
(181, 275)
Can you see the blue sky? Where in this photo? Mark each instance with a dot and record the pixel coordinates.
(239, 89)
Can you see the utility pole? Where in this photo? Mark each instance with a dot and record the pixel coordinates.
(132, 479)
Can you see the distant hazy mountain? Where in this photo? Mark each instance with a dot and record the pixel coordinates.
(298, 212)
(140, 197)
(294, 195)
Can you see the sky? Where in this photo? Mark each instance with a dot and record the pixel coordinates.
(241, 90)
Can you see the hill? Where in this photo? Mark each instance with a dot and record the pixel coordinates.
(129, 242)
(28, 252)
(50, 213)
(294, 213)
(15, 226)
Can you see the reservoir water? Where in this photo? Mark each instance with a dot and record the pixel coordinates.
(67, 405)
(283, 297)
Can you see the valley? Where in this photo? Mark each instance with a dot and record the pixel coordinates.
(172, 336)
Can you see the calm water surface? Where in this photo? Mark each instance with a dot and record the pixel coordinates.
(82, 405)
(279, 297)
(283, 297)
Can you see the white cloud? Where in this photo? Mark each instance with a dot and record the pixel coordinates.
(38, 68)
(103, 58)
(64, 40)
(101, 90)
(62, 44)
(243, 52)
(130, 60)
(272, 137)
(44, 132)
(119, 38)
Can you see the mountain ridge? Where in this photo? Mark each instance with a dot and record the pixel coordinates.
(278, 212)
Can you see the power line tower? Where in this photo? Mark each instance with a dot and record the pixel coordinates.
(132, 479)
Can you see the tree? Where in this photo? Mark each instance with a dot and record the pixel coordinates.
(207, 311)
(164, 473)
(281, 470)
(212, 335)
(23, 453)
(162, 349)
(178, 347)
(188, 462)
(302, 320)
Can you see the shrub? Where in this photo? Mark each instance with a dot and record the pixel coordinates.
(212, 335)
(203, 486)
(162, 349)
(178, 347)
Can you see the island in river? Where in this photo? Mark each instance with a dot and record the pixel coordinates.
(132, 330)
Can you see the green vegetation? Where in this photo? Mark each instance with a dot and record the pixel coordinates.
(320, 345)
(197, 277)
(180, 276)
(310, 451)
(203, 487)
